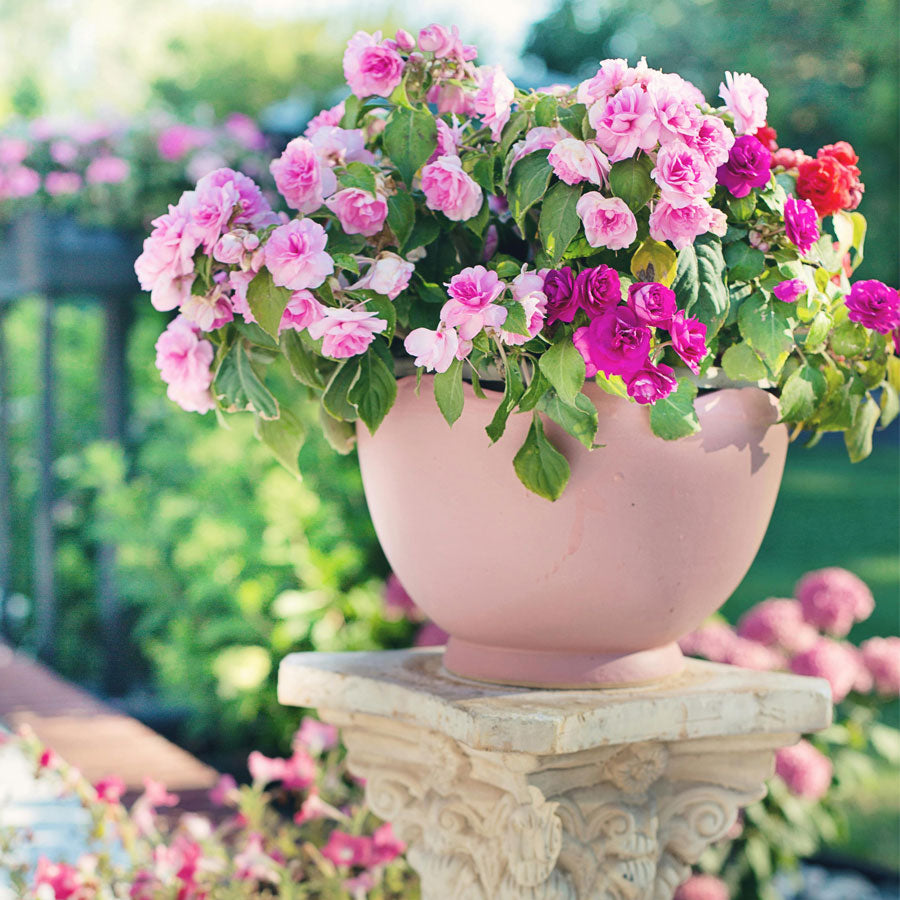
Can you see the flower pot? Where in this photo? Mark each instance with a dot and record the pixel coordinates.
(648, 539)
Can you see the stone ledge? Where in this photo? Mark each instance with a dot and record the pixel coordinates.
(707, 700)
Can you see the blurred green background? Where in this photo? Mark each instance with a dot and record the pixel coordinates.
(226, 563)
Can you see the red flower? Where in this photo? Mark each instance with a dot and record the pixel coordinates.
(767, 136)
(843, 153)
(827, 184)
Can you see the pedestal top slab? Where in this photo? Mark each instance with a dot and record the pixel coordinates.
(706, 700)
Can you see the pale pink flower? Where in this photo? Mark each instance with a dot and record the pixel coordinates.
(346, 332)
(358, 211)
(254, 864)
(295, 255)
(211, 210)
(713, 642)
(388, 275)
(625, 123)
(404, 40)
(225, 791)
(301, 311)
(184, 361)
(107, 170)
(575, 161)
(20, 181)
(713, 139)
(252, 208)
(526, 283)
(340, 146)
(443, 42)
(176, 141)
(608, 222)
(315, 736)
(166, 267)
(64, 152)
(265, 769)
(60, 184)
(682, 174)
(210, 310)
(326, 117)
(681, 225)
(837, 663)
(471, 291)
(447, 140)
(535, 305)
(13, 151)
(543, 137)
(806, 772)
(435, 350)
(370, 67)
(610, 78)
(494, 98)
(745, 99)
(245, 131)
(301, 178)
(450, 190)
(778, 623)
(314, 807)
(833, 599)
(678, 118)
(789, 159)
(299, 770)
(751, 655)
(703, 887)
(110, 789)
(881, 657)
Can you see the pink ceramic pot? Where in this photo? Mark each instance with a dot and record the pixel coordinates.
(649, 538)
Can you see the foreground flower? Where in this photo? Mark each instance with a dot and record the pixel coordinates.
(747, 167)
(790, 291)
(358, 211)
(166, 266)
(493, 100)
(301, 311)
(295, 255)
(301, 178)
(875, 305)
(597, 290)
(370, 67)
(805, 770)
(184, 361)
(625, 124)
(450, 190)
(608, 222)
(346, 332)
(745, 99)
(682, 225)
(575, 161)
(435, 350)
(689, 340)
(652, 303)
(652, 383)
(472, 295)
(614, 343)
(389, 275)
(801, 223)
(826, 183)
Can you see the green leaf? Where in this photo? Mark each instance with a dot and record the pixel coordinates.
(801, 394)
(267, 302)
(483, 173)
(630, 180)
(580, 420)
(284, 437)
(516, 320)
(346, 261)
(571, 117)
(374, 391)
(238, 386)
(336, 397)
(766, 329)
(563, 366)
(889, 402)
(742, 364)
(538, 387)
(479, 221)
(613, 384)
(352, 106)
(517, 123)
(674, 416)
(743, 207)
(744, 262)
(425, 230)
(340, 435)
(358, 175)
(818, 331)
(385, 309)
(858, 436)
(512, 392)
(528, 183)
(559, 223)
(301, 360)
(448, 391)
(545, 111)
(699, 283)
(401, 216)
(339, 242)
(849, 339)
(410, 137)
(539, 465)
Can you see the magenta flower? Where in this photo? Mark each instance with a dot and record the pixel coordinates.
(559, 288)
(652, 383)
(346, 332)
(614, 343)
(370, 67)
(801, 223)
(806, 772)
(110, 789)
(295, 255)
(348, 850)
(689, 339)
(833, 599)
(652, 303)
(790, 291)
(450, 190)
(875, 305)
(597, 290)
(747, 166)
(62, 880)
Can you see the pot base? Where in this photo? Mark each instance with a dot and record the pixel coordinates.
(566, 670)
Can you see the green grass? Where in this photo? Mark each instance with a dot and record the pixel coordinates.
(831, 512)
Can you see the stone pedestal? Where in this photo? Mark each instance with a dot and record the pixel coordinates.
(504, 793)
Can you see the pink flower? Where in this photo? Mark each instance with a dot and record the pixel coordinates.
(837, 663)
(326, 117)
(19, 182)
(542, 137)
(431, 635)
(358, 211)
(778, 623)
(264, 769)
(805, 771)
(314, 807)
(224, 792)
(346, 332)
(450, 98)
(833, 599)
(348, 850)
(435, 350)
(881, 656)
(689, 340)
(48, 759)
(472, 294)
(183, 360)
(712, 642)
(786, 158)
(681, 225)
(608, 222)
(166, 267)
(703, 887)
(210, 310)
(59, 184)
(299, 770)
(212, 207)
(339, 146)
(652, 383)
(653, 303)
(450, 190)
(875, 305)
(535, 305)
(110, 789)
(301, 178)
(370, 67)
(714, 140)
(178, 140)
(386, 847)
(107, 170)
(316, 736)
(625, 124)
(301, 311)
(64, 152)
(676, 113)
(789, 291)
(610, 78)
(295, 255)
(251, 207)
(575, 161)
(397, 602)
(63, 880)
(494, 98)
(443, 42)
(254, 864)
(683, 175)
(245, 131)
(614, 343)
(13, 151)
(388, 275)
(745, 99)
(801, 223)
(404, 40)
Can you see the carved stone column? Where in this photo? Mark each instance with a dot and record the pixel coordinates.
(505, 793)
